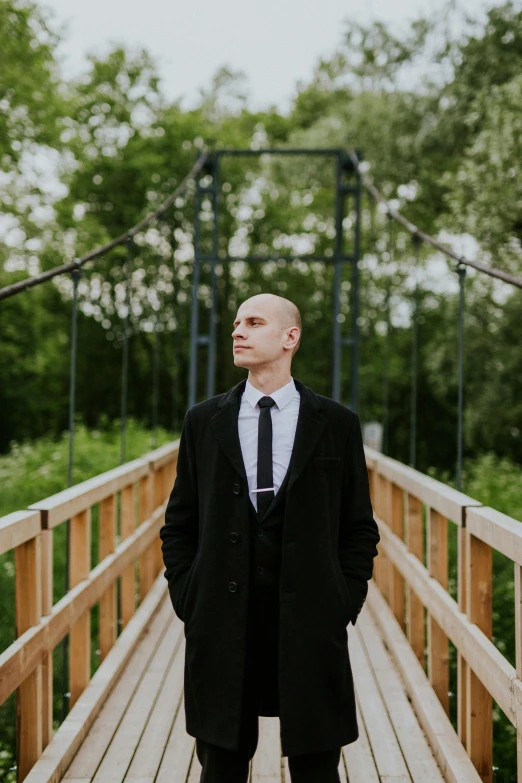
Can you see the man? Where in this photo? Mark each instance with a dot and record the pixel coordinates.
(268, 544)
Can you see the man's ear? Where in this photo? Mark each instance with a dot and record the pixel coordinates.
(291, 346)
(298, 335)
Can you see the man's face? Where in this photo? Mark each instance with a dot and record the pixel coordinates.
(258, 334)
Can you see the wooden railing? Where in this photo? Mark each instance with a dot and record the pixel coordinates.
(132, 558)
(414, 513)
(411, 576)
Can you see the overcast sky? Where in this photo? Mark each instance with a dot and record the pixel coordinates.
(275, 42)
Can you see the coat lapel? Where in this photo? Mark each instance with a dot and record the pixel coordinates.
(310, 426)
(225, 426)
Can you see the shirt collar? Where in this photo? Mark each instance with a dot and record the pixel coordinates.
(281, 396)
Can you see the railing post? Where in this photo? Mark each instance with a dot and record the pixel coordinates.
(47, 662)
(518, 653)
(173, 470)
(159, 477)
(108, 608)
(372, 480)
(375, 498)
(438, 645)
(387, 510)
(80, 636)
(145, 510)
(28, 592)
(128, 577)
(462, 676)
(415, 609)
(479, 713)
(397, 580)
(384, 514)
(382, 561)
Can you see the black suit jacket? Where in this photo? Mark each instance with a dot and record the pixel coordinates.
(328, 547)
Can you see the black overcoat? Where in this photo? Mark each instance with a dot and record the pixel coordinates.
(328, 546)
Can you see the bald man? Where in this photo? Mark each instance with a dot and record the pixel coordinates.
(268, 543)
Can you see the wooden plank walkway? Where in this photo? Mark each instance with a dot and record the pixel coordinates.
(139, 734)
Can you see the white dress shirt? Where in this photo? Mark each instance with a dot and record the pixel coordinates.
(284, 422)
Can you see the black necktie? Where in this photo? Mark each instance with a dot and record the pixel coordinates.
(265, 476)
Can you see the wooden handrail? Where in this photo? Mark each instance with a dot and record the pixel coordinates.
(26, 665)
(17, 528)
(81, 497)
(497, 530)
(410, 509)
(440, 497)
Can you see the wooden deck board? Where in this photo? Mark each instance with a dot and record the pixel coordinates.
(266, 764)
(178, 754)
(444, 741)
(119, 755)
(152, 744)
(358, 756)
(195, 769)
(88, 758)
(140, 734)
(385, 746)
(417, 753)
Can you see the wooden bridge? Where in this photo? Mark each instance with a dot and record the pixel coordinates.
(431, 591)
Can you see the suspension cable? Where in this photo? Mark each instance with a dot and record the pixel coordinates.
(491, 271)
(29, 282)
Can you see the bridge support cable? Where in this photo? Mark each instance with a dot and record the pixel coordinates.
(355, 294)
(155, 380)
(127, 267)
(337, 279)
(461, 271)
(414, 357)
(213, 314)
(158, 308)
(387, 339)
(207, 186)
(29, 282)
(75, 275)
(426, 238)
(194, 312)
(364, 306)
(343, 191)
(176, 342)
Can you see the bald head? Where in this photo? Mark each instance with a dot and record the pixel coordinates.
(266, 335)
(285, 310)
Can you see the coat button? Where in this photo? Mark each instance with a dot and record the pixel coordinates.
(232, 586)
(234, 537)
(260, 569)
(260, 533)
(235, 489)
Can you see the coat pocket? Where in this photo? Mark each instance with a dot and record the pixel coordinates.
(344, 593)
(182, 600)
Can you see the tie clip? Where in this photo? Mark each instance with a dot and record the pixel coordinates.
(268, 489)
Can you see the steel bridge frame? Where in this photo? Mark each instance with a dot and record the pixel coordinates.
(344, 168)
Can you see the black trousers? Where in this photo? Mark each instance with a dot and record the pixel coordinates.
(220, 765)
